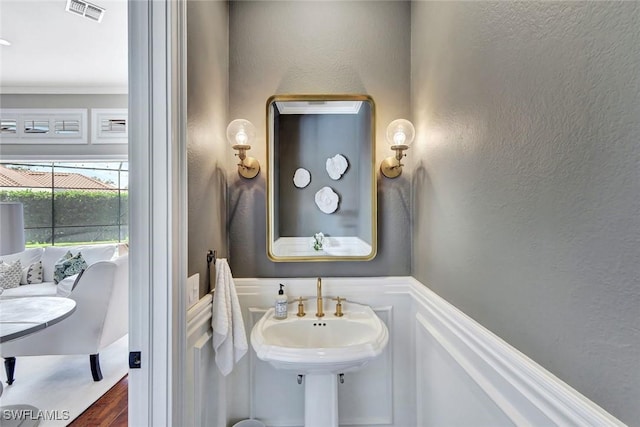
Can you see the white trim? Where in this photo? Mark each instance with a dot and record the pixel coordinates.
(199, 314)
(201, 308)
(179, 226)
(359, 286)
(66, 158)
(325, 107)
(141, 402)
(199, 375)
(157, 310)
(199, 367)
(63, 90)
(140, 380)
(97, 115)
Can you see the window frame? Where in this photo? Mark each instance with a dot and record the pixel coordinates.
(123, 167)
(50, 116)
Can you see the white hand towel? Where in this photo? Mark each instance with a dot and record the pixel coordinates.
(229, 337)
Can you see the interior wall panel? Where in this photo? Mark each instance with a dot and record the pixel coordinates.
(440, 368)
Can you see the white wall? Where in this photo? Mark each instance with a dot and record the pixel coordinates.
(283, 47)
(527, 180)
(207, 147)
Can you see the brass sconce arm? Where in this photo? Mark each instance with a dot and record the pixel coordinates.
(248, 167)
(242, 150)
(391, 167)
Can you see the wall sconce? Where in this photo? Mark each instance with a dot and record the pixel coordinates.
(400, 134)
(240, 134)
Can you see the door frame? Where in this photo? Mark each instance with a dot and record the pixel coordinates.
(158, 210)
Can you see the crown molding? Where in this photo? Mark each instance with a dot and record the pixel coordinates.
(64, 90)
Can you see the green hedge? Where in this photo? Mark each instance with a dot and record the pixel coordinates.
(99, 213)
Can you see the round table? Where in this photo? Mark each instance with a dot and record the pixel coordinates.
(24, 316)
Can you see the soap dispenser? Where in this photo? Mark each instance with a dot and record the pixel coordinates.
(281, 304)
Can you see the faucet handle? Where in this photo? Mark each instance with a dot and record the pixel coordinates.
(338, 312)
(301, 312)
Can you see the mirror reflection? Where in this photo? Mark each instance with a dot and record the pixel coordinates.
(321, 178)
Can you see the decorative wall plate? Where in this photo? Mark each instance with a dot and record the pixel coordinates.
(336, 166)
(301, 178)
(327, 200)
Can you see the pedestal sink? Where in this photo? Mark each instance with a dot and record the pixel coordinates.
(320, 348)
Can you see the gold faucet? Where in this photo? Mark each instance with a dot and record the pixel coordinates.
(338, 312)
(320, 313)
(301, 312)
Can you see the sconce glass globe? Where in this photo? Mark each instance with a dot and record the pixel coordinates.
(241, 132)
(400, 132)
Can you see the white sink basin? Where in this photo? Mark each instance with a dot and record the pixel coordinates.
(321, 345)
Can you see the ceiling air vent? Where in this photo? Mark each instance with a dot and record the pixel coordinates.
(85, 9)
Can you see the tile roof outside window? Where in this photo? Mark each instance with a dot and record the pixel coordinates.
(35, 179)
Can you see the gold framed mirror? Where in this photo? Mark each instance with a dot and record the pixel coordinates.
(321, 178)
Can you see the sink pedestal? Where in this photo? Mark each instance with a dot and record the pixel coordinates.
(321, 400)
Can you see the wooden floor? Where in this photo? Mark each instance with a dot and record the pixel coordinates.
(108, 411)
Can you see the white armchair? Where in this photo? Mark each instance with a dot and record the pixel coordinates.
(100, 318)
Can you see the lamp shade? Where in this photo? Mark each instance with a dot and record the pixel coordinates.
(400, 132)
(241, 132)
(11, 228)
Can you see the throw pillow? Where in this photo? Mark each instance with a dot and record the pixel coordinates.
(65, 286)
(10, 275)
(68, 265)
(32, 274)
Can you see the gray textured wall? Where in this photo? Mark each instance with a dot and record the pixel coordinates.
(317, 47)
(53, 151)
(527, 180)
(207, 147)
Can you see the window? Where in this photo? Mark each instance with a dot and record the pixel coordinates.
(36, 126)
(44, 126)
(8, 126)
(69, 203)
(109, 125)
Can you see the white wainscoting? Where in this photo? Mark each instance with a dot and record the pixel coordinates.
(467, 375)
(369, 397)
(205, 404)
(441, 368)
